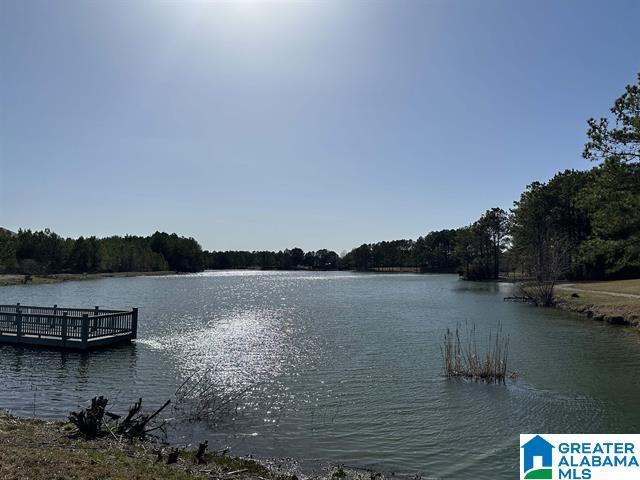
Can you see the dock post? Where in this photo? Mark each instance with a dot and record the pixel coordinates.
(64, 329)
(134, 323)
(18, 323)
(94, 322)
(84, 335)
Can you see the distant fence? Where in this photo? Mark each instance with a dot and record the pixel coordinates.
(66, 327)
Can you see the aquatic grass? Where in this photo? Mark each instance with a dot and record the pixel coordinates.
(204, 397)
(462, 359)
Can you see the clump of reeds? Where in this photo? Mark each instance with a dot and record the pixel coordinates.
(462, 359)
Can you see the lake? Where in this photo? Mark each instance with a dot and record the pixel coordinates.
(343, 367)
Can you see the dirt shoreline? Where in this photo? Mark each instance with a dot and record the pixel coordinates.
(602, 313)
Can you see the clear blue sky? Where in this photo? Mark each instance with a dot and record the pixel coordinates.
(260, 125)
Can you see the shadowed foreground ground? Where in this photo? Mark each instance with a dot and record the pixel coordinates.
(37, 449)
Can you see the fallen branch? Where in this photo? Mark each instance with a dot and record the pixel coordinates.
(235, 472)
(135, 423)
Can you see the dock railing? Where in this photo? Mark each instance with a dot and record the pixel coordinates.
(74, 327)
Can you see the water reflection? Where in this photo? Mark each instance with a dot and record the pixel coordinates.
(37, 380)
(245, 345)
(342, 367)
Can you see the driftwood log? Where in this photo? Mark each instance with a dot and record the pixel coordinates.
(135, 423)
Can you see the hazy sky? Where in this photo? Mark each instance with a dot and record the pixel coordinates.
(264, 125)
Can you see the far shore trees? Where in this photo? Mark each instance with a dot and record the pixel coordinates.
(45, 252)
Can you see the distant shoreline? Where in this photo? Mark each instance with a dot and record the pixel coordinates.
(15, 279)
(18, 279)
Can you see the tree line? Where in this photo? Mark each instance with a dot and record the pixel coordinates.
(475, 251)
(45, 252)
(288, 259)
(578, 225)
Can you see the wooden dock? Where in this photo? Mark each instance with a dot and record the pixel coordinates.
(67, 328)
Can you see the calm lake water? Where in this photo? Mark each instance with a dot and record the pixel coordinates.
(346, 368)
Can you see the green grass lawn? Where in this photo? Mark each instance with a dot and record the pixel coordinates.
(616, 286)
(591, 299)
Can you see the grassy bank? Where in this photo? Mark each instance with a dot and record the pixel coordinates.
(68, 277)
(35, 449)
(614, 301)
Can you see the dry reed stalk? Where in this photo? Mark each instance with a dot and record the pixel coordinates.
(462, 358)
